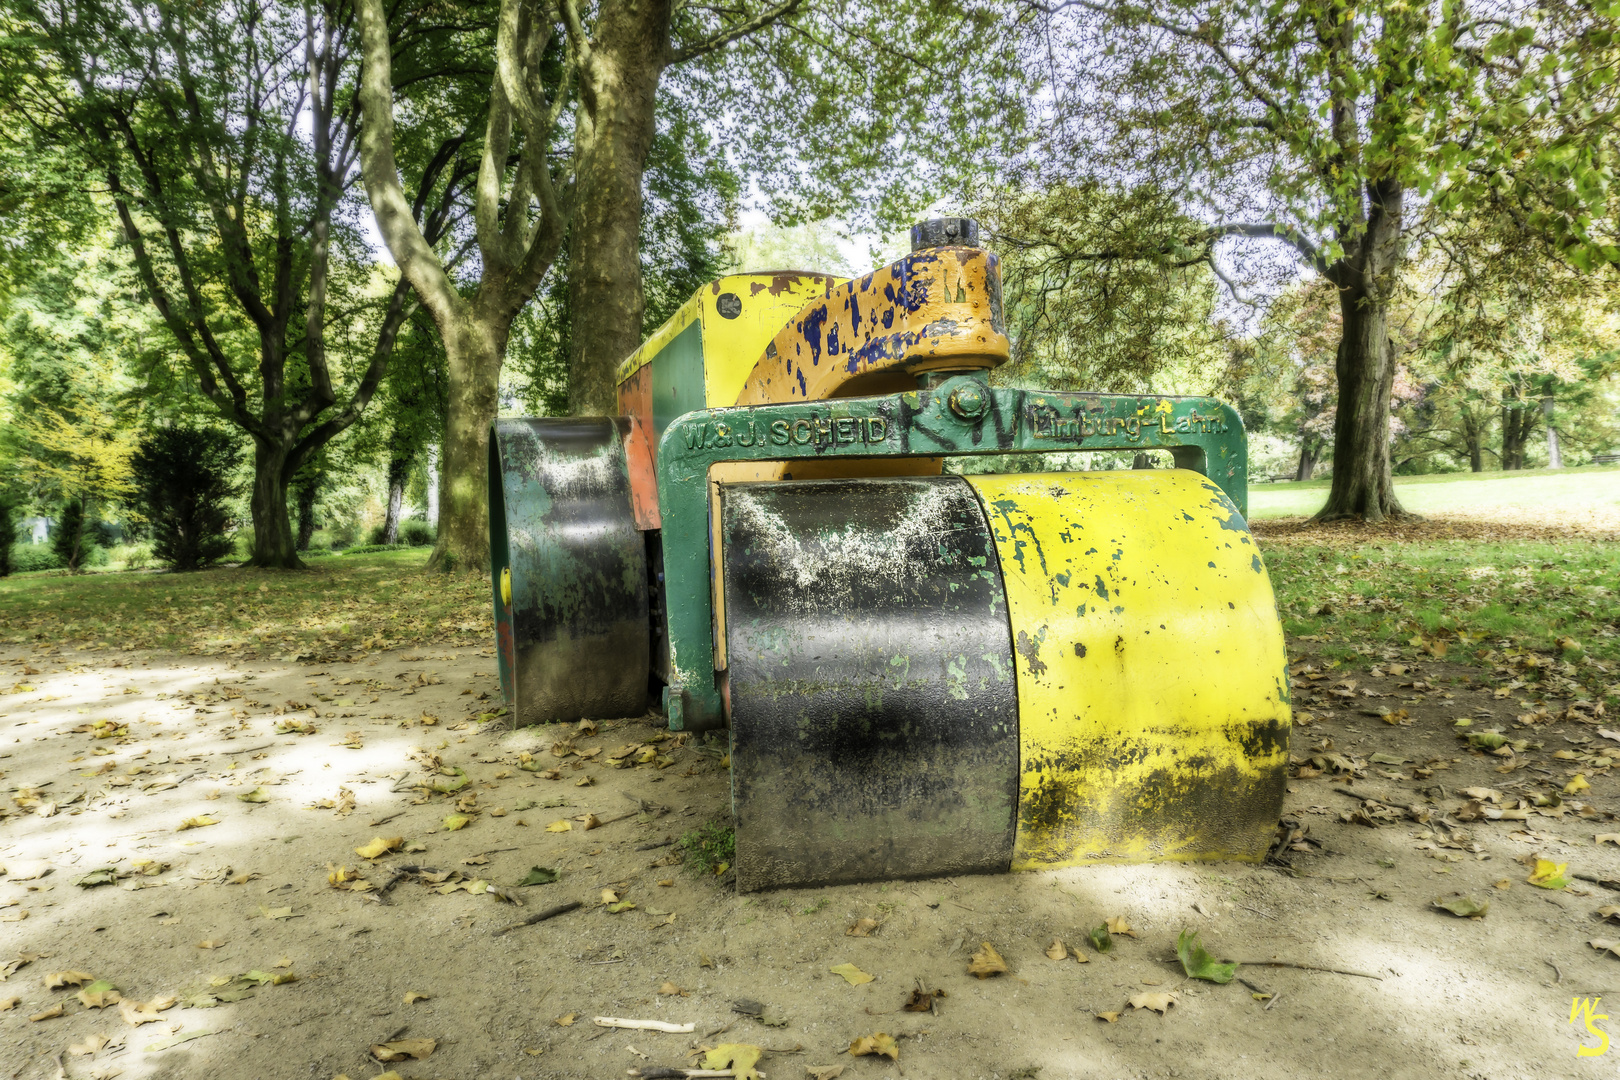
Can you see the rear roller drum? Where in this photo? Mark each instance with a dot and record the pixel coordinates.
(569, 571)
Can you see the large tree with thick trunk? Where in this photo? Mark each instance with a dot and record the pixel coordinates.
(1345, 132)
(224, 138)
(825, 106)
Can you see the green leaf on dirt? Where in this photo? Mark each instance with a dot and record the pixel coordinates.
(622, 905)
(1198, 964)
(1487, 740)
(257, 795)
(106, 875)
(1464, 907)
(447, 787)
(1100, 939)
(539, 875)
(457, 821)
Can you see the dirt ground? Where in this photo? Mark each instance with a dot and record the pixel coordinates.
(188, 913)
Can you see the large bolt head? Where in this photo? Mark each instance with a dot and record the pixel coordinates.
(945, 232)
(967, 402)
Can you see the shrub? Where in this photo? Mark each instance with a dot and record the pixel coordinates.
(418, 533)
(182, 483)
(29, 558)
(378, 534)
(367, 549)
(344, 535)
(74, 538)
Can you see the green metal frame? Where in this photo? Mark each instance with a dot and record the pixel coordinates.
(962, 415)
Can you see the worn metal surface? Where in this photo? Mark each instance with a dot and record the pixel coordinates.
(1203, 434)
(873, 713)
(944, 232)
(1152, 683)
(572, 640)
(715, 338)
(936, 308)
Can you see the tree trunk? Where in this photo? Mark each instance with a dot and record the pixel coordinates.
(1555, 452)
(1310, 449)
(474, 346)
(1365, 364)
(1362, 484)
(1518, 421)
(273, 543)
(398, 469)
(308, 493)
(1473, 440)
(613, 135)
(433, 486)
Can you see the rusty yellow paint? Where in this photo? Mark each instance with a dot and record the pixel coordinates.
(1152, 686)
(938, 309)
(739, 315)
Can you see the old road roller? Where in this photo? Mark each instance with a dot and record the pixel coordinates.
(925, 670)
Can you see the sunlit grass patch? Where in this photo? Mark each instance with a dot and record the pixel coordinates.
(383, 600)
(1549, 610)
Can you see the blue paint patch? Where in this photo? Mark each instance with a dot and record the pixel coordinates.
(1062, 579)
(1256, 564)
(811, 329)
(1102, 590)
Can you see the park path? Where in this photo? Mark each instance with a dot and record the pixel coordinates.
(284, 770)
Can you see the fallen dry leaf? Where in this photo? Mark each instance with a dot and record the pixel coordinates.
(201, 821)
(560, 826)
(922, 1000)
(1118, 925)
(404, 1049)
(412, 998)
(7, 1004)
(670, 988)
(212, 943)
(379, 847)
(89, 1045)
(879, 1043)
(1607, 837)
(852, 974)
(1110, 1017)
(740, 1058)
(987, 962)
(99, 995)
(138, 1013)
(566, 1021)
(824, 1072)
(58, 979)
(1057, 950)
(861, 928)
(48, 1014)
(1158, 1002)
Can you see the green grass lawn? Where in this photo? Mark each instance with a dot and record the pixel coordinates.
(1452, 493)
(1548, 612)
(342, 604)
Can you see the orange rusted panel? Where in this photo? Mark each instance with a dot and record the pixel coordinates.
(638, 455)
(635, 403)
(936, 309)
